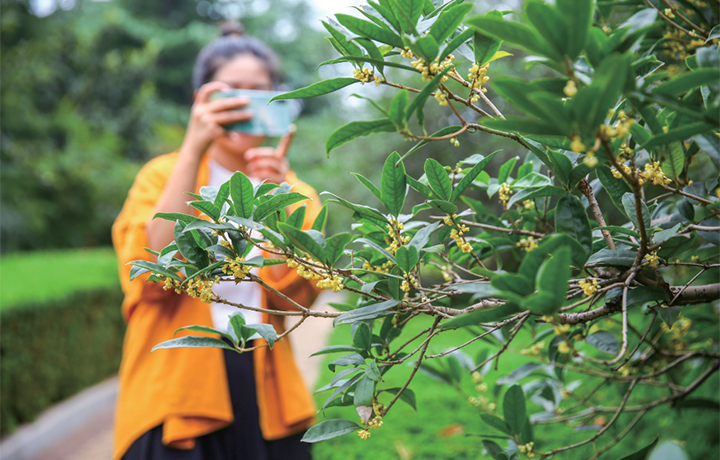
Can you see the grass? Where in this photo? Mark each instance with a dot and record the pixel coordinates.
(445, 425)
(38, 276)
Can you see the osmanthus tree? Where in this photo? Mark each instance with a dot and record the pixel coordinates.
(620, 291)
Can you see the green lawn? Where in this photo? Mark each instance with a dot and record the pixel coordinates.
(445, 424)
(38, 276)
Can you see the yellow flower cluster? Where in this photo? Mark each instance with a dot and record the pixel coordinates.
(435, 67)
(652, 259)
(563, 347)
(226, 244)
(589, 286)
(528, 204)
(678, 332)
(236, 268)
(364, 75)
(534, 349)
(527, 449)
(669, 13)
(478, 79)
(576, 145)
(364, 434)
(681, 44)
(333, 282)
(171, 284)
(561, 329)
(307, 273)
(395, 239)
(408, 283)
(570, 88)
(620, 129)
(528, 244)
(504, 193)
(653, 173)
(476, 377)
(617, 174)
(440, 97)
(384, 268)
(455, 142)
(198, 288)
(457, 234)
(376, 422)
(407, 54)
(590, 160)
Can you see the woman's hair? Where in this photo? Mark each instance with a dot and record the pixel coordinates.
(231, 43)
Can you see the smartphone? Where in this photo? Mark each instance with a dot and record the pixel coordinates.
(270, 120)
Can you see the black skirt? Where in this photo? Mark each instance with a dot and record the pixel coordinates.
(240, 441)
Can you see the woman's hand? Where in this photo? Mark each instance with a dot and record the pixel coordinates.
(208, 117)
(268, 163)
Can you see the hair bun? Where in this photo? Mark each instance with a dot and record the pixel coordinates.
(232, 29)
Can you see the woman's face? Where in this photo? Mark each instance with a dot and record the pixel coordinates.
(242, 72)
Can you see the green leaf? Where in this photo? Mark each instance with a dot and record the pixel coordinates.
(479, 290)
(372, 50)
(470, 176)
(396, 113)
(514, 410)
(484, 47)
(438, 179)
(672, 159)
(369, 60)
(207, 208)
(668, 450)
(444, 206)
(277, 203)
(549, 22)
(364, 392)
(193, 342)
(642, 453)
(456, 42)
(373, 372)
(369, 30)
(175, 216)
(377, 248)
(536, 103)
(619, 257)
(681, 133)
(266, 331)
(481, 316)
(406, 257)
(418, 102)
(687, 81)
(421, 238)
(604, 341)
(368, 312)
(335, 245)
(519, 373)
(303, 241)
(571, 218)
(616, 188)
(386, 13)
(208, 330)
(496, 422)
(189, 248)
(553, 276)
(317, 89)
(353, 359)
(297, 218)
(320, 220)
(336, 349)
(149, 266)
(407, 12)
(445, 131)
(526, 126)
(578, 18)
(355, 129)
(426, 47)
(515, 33)
(362, 337)
(393, 184)
(529, 194)
(448, 21)
(329, 429)
(407, 396)
(367, 211)
(628, 201)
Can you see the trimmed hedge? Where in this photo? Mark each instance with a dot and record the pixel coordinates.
(51, 350)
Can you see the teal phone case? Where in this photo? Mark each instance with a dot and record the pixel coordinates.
(272, 120)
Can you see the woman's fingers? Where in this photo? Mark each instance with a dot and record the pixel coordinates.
(284, 144)
(231, 116)
(202, 95)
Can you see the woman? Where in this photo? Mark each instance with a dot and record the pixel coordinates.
(207, 403)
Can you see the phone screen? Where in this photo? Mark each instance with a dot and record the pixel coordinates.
(271, 120)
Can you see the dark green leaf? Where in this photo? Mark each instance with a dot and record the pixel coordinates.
(496, 422)
(336, 349)
(421, 238)
(369, 30)
(335, 245)
(484, 47)
(266, 331)
(208, 330)
(687, 81)
(426, 47)
(642, 453)
(355, 129)
(518, 374)
(174, 216)
(297, 218)
(419, 100)
(578, 18)
(619, 257)
(317, 89)
(406, 257)
(193, 342)
(362, 336)
(448, 21)
(529, 194)
(470, 176)
(303, 241)
(407, 396)
(368, 312)
(438, 179)
(571, 218)
(189, 248)
(604, 341)
(616, 188)
(360, 209)
(241, 191)
(456, 42)
(553, 276)
(514, 410)
(277, 203)
(444, 206)
(320, 220)
(628, 201)
(396, 113)
(514, 33)
(329, 429)
(678, 134)
(481, 316)
(364, 392)
(393, 184)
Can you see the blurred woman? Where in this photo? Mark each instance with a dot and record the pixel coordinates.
(208, 403)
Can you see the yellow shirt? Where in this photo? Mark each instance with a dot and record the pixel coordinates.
(186, 389)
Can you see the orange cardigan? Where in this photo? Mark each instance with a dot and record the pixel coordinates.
(186, 389)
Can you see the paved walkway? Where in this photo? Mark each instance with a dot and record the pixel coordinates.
(81, 427)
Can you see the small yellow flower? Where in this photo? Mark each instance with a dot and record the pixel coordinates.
(528, 204)
(576, 145)
(652, 259)
(590, 160)
(563, 347)
(528, 244)
(589, 286)
(504, 193)
(364, 434)
(570, 88)
(669, 13)
(477, 377)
